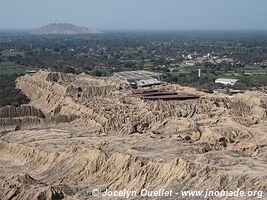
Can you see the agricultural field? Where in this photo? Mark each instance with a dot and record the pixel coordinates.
(10, 68)
(9, 95)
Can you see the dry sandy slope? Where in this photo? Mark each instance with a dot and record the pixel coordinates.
(114, 140)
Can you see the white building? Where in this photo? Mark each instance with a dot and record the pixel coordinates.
(227, 81)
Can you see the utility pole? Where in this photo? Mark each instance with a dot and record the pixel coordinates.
(199, 73)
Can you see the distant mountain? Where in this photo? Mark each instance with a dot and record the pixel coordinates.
(65, 29)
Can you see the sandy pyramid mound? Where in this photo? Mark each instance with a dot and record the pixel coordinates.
(94, 133)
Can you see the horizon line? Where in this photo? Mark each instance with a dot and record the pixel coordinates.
(150, 29)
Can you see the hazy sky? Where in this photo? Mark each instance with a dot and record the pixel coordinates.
(136, 14)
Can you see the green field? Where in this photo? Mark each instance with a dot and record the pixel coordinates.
(9, 95)
(10, 68)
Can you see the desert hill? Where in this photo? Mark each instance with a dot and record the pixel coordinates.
(81, 132)
(64, 28)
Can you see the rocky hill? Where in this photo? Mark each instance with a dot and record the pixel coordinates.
(64, 28)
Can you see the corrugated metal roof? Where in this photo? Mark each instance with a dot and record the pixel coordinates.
(146, 90)
(147, 82)
(158, 94)
(177, 97)
(230, 80)
(137, 75)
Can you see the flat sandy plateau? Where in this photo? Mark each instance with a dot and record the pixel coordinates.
(79, 133)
